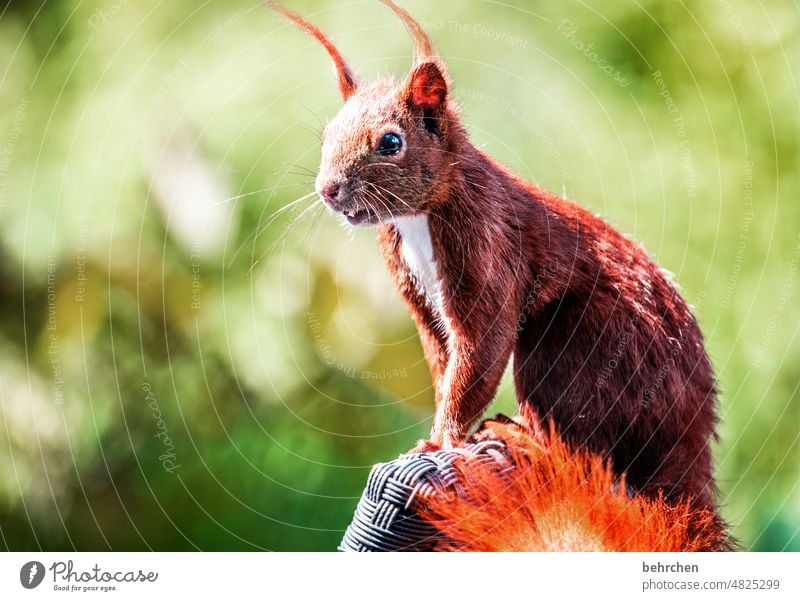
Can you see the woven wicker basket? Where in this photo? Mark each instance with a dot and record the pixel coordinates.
(387, 517)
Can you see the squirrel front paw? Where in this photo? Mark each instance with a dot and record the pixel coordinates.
(448, 443)
(424, 446)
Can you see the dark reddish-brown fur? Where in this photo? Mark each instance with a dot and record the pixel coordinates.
(602, 342)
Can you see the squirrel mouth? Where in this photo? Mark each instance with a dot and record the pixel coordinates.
(360, 216)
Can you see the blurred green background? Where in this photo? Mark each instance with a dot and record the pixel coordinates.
(184, 367)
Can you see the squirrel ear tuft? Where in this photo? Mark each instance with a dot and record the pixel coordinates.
(427, 88)
(423, 49)
(346, 79)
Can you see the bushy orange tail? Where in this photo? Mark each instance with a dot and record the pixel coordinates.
(557, 499)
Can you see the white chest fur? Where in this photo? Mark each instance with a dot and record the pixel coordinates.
(417, 252)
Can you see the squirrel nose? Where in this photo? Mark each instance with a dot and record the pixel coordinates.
(330, 192)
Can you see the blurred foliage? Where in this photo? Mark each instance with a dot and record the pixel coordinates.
(181, 372)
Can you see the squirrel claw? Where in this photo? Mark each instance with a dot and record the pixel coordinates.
(448, 443)
(424, 446)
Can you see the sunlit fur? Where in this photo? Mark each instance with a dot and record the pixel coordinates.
(557, 499)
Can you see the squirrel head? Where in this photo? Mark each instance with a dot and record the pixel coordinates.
(388, 151)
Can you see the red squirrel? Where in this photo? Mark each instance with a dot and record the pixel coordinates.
(490, 265)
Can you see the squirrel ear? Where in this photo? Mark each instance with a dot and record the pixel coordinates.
(427, 88)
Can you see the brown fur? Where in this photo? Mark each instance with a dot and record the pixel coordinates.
(603, 344)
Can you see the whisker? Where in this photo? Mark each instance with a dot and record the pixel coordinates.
(298, 166)
(360, 169)
(308, 176)
(317, 134)
(240, 196)
(253, 237)
(294, 223)
(282, 210)
(379, 199)
(384, 190)
(313, 113)
(316, 224)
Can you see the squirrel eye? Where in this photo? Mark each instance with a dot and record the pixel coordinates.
(390, 144)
